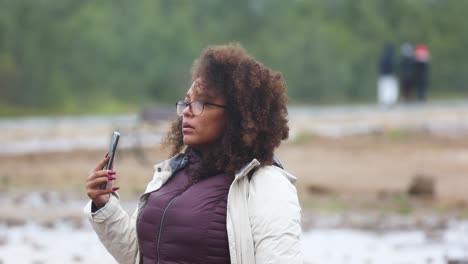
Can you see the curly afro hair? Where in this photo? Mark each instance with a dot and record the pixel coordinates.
(256, 110)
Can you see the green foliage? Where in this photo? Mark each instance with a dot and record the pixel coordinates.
(396, 134)
(402, 204)
(65, 55)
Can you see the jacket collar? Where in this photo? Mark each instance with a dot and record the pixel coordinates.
(255, 164)
(173, 164)
(246, 169)
(180, 160)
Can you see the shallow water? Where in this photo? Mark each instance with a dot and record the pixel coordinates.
(36, 244)
(32, 243)
(50, 228)
(335, 246)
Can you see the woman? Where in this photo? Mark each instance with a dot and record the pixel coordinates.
(222, 200)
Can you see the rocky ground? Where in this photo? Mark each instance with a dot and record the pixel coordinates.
(381, 171)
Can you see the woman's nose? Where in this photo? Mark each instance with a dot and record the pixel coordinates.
(187, 111)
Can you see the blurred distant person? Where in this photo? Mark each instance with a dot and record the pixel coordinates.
(421, 71)
(387, 84)
(406, 72)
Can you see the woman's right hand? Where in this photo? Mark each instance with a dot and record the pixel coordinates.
(97, 177)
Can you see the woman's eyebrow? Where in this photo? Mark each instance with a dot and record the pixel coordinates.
(197, 97)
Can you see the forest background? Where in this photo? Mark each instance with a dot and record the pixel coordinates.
(76, 57)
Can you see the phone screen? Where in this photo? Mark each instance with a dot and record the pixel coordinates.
(112, 149)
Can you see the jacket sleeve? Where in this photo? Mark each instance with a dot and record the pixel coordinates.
(275, 217)
(116, 230)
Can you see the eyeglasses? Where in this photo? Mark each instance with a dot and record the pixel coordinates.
(196, 107)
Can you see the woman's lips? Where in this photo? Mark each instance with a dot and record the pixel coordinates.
(186, 127)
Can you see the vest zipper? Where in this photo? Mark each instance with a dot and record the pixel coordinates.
(161, 226)
(141, 205)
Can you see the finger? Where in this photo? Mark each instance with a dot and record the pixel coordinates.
(98, 182)
(102, 163)
(110, 183)
(93, 194)
(101, 173)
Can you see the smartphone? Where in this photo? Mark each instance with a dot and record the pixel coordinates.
(112, 149)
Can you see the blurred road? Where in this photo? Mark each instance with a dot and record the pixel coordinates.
(444, 117)
(46, 134)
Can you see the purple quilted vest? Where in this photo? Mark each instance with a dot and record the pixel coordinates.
(184, 222)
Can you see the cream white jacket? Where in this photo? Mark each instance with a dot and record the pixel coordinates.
(263, 217)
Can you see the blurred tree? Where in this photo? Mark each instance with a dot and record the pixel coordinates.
(74, 56)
